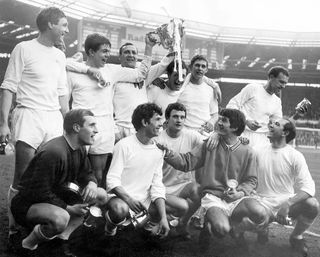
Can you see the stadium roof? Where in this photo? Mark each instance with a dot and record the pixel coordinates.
(124, 12)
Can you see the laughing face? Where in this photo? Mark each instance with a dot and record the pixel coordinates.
(101, 56)
(223, 126)
(278, 83)
(173, 83)
(128, 57)
(59, 30)
(199, 69)
(275, 127)
(154, 125)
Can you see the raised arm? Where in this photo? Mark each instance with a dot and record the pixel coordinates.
(158, 69)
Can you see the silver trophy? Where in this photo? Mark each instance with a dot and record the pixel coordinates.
(139, 219)
(303, 106)
(232, 185)
(170, 37)
(94, 213)
(6, 147)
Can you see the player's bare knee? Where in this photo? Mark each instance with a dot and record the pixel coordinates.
(312, 207)
(59, 220)
(119, 209)
(260, 214)
(220, 229)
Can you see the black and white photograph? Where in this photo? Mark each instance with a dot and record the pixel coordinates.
(159, 128)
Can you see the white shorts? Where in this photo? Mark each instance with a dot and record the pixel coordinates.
(177, 189)
(146, 202)
(104, 139)
(256, 139)
(210, 200)
(124, 131)
(272, 204)
(35, 127)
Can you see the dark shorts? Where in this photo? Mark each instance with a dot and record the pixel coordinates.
(19, 208)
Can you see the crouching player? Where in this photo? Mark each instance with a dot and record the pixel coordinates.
(286, 187)
(134, 180)
(37, 206)
(227, 209)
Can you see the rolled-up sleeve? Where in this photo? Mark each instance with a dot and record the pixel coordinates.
(116, 168)
(62, 83)
(303, 180)
(14, 70)
(158, 189)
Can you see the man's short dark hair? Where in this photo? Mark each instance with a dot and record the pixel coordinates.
(94, 41)
(170, 67)
(291, 128)
(124, 45)
(144, 112)
(197, 58)
(236, 119)
(175, 106)
(75, 116)
(276, 70)
(50, 14)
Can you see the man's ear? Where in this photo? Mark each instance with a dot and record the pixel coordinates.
(76, 127)
(285, 132)
(91, 52)
(50, 25)
(144, 122)
(234, 129)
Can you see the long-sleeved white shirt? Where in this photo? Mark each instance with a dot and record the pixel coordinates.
(281, 173)
(257, 104)
(112, 73)
(138, 169)
(127, 96)
(37, 74)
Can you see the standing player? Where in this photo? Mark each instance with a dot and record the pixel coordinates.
(36, 73)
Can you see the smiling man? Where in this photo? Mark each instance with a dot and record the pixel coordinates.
(285, 185)
(259, 103)
(127, 95)
(226, 209)
(134, 180)
(172, 87)
(36, 73)
(87, 93)
(38, 205)
(200, 99)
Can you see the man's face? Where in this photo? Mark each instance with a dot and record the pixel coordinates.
(176, 120)
(154, 125)
(128, 57)
(88, 130)
(101, 56)
(275, 127)
(223, 126)
(199, 69)
(278, 83)
(173, 83)
(59, 30)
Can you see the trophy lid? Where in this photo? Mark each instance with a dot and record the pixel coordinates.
(232, 183)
